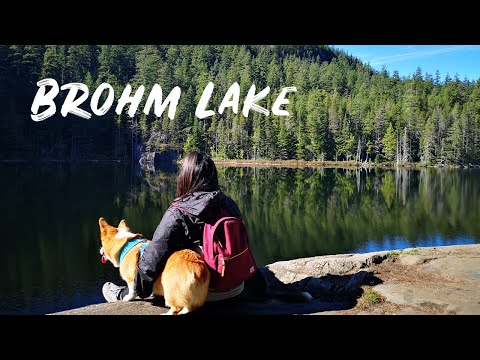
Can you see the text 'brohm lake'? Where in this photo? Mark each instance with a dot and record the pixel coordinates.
(72, 102)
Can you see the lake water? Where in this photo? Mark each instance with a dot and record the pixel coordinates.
(50, 257)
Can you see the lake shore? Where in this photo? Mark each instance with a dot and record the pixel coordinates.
(442, 280)
(335, 164)
(261, 163)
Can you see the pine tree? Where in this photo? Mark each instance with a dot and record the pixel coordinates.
(194, 140)
(89, 80)
(316, 124)
(285, 142)
(378, 129)
(436, 82)
(30, 62)
(78, 60)
(213, 137)
(51, 67)
(428, 142)
(454, 149)
(15, 58)
(148, 63)
(222, 140)
(389, 143)
(301, 145)
(345, 142)
(405, 147)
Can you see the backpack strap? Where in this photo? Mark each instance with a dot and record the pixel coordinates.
(219, 221)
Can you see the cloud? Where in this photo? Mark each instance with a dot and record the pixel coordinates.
(416, 54)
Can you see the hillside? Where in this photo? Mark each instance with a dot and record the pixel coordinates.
(342, 110)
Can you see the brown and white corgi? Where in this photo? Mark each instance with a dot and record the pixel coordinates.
(183, 283)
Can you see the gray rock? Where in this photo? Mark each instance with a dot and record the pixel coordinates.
(411, 259)
(335, 282)
(444, 299)
(460, 267)
(288, 272)
(164, 160)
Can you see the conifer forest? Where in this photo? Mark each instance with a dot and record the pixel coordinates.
(343, 110)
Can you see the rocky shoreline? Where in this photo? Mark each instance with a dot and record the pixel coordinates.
(443, 280)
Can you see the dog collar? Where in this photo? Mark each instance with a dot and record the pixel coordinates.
(129, 246)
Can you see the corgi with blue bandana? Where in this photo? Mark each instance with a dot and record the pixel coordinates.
(184, 281)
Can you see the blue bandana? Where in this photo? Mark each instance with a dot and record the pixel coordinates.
(130, 244)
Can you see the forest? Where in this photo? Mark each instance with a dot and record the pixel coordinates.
(342, 109)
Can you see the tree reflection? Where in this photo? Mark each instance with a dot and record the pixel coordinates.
(49, 218)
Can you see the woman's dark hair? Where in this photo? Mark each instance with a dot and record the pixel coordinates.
(198, 173)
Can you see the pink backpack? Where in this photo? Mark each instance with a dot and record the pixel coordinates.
(226, 250)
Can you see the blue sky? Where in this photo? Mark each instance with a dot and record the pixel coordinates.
(461, 59)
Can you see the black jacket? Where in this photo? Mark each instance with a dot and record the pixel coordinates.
(179, 230)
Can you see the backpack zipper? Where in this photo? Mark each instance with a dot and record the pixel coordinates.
(224, 260)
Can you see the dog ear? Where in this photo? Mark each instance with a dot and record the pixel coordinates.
(123, 225)
(102, 222)
(103, 225)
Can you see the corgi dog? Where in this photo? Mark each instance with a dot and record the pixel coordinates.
(184, 281)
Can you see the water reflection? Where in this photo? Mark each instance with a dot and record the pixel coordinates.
(309, 211)
(50, 259)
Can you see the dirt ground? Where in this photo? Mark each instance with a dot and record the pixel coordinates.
(372, 303)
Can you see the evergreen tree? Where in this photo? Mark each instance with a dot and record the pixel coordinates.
(30, 62)
(345, 143)
(301, 146)
(77, 62)
(436, 82)
(15, 58)
(285, 142)
(454, 146)
(194, 140)
(428, 142)
(405, 146)
(51, 67)
(389, 143)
